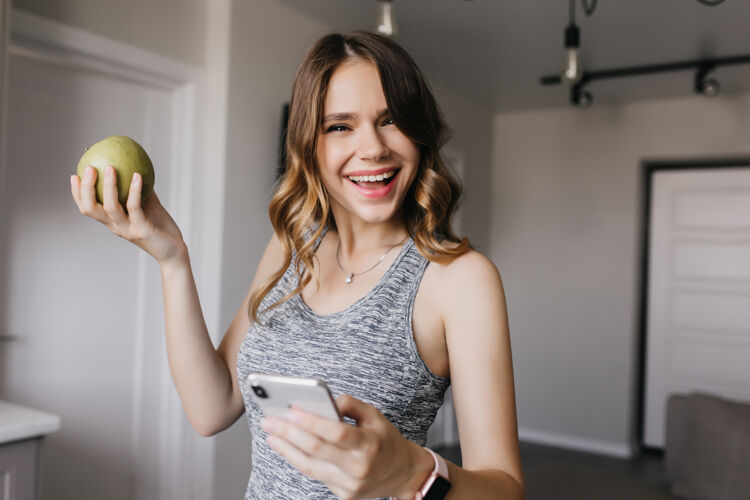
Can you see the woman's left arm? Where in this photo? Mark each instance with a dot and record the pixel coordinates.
(373, 459)
(478, 341)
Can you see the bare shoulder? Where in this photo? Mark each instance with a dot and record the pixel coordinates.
(466, 275)
(271, 261)
(462, 287)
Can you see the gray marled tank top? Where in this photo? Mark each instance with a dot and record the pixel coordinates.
(367, 351)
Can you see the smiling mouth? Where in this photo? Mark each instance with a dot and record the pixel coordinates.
(374, 181)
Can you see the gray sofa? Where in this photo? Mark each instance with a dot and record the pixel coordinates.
(707, 453)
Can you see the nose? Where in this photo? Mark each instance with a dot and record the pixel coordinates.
(371, 145)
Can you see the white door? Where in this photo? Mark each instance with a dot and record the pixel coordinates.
(698, 314)
(83, 307)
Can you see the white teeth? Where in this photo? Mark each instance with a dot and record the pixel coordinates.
(372, 178)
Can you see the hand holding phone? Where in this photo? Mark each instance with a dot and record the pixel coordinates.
(276, 394)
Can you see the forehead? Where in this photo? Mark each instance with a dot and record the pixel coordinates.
(354, 87)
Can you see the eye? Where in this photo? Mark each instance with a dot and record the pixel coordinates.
(387, 121)
(337, 128)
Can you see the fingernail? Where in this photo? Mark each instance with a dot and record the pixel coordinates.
(136, 177)
(89, 171)
(110, 172)
(73, 180)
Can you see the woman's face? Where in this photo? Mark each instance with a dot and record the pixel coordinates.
(366, 163)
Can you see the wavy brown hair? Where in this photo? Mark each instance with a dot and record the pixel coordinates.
(301, 202)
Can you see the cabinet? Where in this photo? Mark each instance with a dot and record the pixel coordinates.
(19, 469)
(22, 431)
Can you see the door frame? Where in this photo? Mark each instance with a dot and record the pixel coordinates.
(648, 169)
(198, 167)
(5, 13)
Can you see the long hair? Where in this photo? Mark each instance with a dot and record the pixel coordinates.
(300, 202)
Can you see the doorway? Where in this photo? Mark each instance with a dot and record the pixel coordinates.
(696, 286)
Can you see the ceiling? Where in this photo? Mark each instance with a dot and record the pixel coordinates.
(495, 51)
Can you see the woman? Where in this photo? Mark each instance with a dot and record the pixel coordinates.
(363, 285)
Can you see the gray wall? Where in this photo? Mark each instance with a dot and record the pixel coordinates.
(566, 207)
(471, 123)
(173, 28)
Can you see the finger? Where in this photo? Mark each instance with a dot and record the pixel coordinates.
(311, 444)
(111, 199)
(358, 410)
(87, 203)
(134, 197)
(339, 433)
(309, 466)
(75, 190)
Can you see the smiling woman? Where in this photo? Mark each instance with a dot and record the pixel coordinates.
(364, 176)
(337, 78)
(356, 148)
(363, 285)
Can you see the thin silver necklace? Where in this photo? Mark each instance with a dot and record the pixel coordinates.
(350, 276)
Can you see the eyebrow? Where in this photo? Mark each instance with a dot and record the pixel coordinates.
(348, 116)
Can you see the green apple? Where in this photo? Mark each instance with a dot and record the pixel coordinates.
(127, 156)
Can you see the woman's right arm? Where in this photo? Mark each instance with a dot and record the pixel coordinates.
(205, 377)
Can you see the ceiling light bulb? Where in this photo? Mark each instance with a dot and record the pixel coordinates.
(703, 85)
(585, 99)
(572, 70)
(710, 87)
(386, 23)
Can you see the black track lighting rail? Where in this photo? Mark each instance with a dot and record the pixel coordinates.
(581, 97)
(653, 68)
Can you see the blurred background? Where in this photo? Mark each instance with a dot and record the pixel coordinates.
(616, 207)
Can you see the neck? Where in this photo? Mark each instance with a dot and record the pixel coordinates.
(361, 240)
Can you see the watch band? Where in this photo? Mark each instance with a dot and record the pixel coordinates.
(436, 485)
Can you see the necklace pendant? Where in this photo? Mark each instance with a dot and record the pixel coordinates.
(348, 279)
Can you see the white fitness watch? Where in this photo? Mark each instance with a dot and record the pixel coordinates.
(436, 486)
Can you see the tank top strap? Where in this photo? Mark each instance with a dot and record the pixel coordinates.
(403, 280)
(412, 266)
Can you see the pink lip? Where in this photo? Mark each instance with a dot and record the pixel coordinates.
(370, 172)
(375, 193)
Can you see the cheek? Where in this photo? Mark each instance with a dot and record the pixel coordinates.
(323, 156)
(331, 156)
(406, 148)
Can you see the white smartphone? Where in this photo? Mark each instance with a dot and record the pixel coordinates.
(275, 394)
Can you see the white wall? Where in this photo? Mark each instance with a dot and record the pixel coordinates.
(566, 208)
(173, 28)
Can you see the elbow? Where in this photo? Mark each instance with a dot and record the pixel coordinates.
(207, 429)
(210, 423)
(521, 488)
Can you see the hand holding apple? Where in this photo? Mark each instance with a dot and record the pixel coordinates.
(127, 157)
(137, 217)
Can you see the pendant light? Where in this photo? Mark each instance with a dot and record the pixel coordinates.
(572, 70)
(386, 23)
(574, 76)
